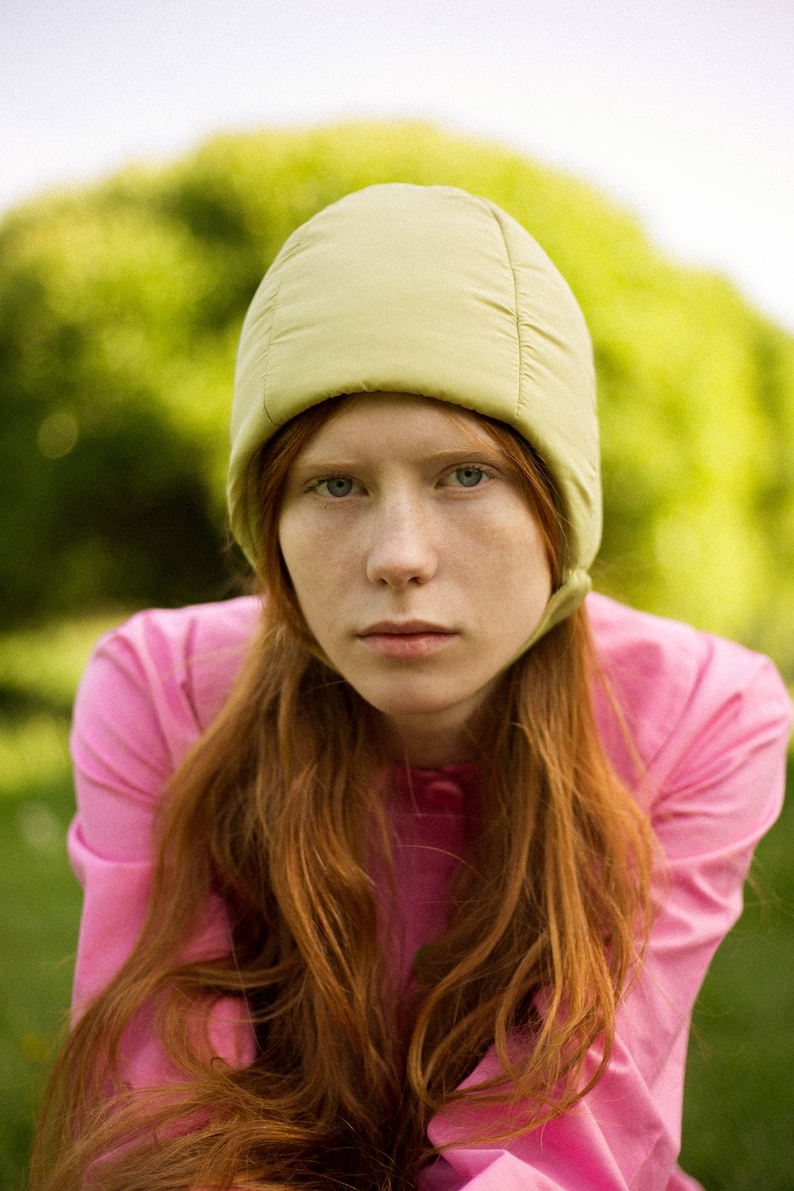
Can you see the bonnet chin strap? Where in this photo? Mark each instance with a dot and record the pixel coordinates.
(562, 603)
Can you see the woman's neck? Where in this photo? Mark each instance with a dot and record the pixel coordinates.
(440, 738)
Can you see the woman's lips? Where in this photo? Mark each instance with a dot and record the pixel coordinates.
(414, 639)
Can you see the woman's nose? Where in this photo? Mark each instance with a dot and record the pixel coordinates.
(401, 550)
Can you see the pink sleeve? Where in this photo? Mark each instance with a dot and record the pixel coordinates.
(139, 709)
(716, 754)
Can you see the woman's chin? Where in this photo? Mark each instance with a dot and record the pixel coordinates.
(424, 703)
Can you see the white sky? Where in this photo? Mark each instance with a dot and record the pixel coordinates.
(681, 109)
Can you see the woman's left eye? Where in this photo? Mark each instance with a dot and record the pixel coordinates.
(335, 486)
(465, 477)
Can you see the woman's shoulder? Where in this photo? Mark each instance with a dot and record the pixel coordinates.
(165, 673)
(151, 687)
(192, 628)
(676, 685)
(200, 647)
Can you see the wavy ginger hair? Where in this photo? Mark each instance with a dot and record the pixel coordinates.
(276, 811)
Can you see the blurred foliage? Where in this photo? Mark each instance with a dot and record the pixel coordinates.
(39, 668)
(120, 306)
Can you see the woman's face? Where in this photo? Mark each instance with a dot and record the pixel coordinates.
(417, 562)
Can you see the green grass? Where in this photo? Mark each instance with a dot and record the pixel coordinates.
(38, 935)
(738, 1133)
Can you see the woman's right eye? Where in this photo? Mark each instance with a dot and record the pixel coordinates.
(335, 486)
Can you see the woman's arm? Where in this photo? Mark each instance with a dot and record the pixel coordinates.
(149, 691)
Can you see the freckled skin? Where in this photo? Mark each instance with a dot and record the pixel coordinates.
(402, 509)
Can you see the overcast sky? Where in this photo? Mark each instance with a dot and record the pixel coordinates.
(681, 109)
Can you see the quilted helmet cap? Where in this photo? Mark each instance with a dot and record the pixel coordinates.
(431, 291)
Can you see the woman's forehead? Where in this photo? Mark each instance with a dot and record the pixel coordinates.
(379, 421)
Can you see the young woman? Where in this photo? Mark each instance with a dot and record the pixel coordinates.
(406, 873)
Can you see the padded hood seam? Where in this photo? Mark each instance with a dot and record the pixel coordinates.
(519, 341)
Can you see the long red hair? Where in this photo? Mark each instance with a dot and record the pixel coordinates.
(274, 811)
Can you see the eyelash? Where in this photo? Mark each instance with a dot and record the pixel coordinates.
(315, 484)
(486, 471)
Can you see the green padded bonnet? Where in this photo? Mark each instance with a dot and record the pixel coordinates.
(432, 291)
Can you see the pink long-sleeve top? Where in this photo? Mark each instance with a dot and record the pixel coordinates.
(710, 722)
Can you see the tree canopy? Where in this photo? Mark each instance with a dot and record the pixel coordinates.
(120, 306)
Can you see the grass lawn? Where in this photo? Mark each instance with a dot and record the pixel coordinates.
(38, 934)
(738, 1131)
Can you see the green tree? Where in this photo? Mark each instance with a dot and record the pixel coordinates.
(120, 306)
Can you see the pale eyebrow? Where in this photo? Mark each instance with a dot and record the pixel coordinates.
(474, 450)
(333, 465)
